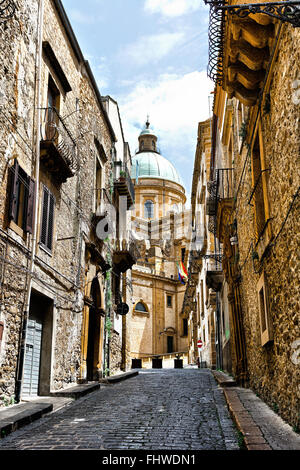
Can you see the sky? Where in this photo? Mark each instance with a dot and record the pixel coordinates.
(151, 57)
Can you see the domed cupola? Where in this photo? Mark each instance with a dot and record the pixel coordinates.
(148, 161)
(147, 139)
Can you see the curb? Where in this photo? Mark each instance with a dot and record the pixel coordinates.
(223, 379)
(20, 415)
(253, 438)
(119, 377)
(77, 391)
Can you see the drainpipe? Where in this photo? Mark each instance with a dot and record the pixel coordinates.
(20, 366)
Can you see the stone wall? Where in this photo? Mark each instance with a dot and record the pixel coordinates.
(272, 373)
(59, 276)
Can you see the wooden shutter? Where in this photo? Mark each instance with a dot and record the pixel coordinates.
(30, 205)
(44, 224)
(50, 221)
(14, 191)
(47, 219)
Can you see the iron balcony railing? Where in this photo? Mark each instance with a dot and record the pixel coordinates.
(7, 9)
(213, 262)
(221, 187)
(123, 181)
(215, 40)
(55, 131)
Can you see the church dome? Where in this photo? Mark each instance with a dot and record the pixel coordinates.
(153, 165)
(148, 162)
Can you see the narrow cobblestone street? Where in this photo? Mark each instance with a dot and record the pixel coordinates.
(157, 409)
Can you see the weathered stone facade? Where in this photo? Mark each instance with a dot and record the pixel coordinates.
(57, 156)
(255, 134)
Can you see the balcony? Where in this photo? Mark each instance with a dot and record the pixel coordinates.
(125, 254)
(123, 182)
(58, 147)
(214, 272)
(220, 194)
(241, 38)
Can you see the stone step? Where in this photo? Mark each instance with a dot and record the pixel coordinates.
(20, 415)
(77, 391)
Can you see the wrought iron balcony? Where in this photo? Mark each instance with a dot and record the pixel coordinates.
(58, 147)
(220, 188)
(125, 254)
(247, 31)
(7, 9)
(214, 271)
(123, 182)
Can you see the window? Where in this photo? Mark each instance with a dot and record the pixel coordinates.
(185, 326)
(98, 185)
(141, 307)
(265, 321)
(182, 254)
(21, 198)
(169, 301)
(52, 109)
(47, 222)
(149, 209)
(259, 193)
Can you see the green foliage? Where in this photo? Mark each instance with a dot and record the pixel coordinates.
(8, 401)
(275, 407)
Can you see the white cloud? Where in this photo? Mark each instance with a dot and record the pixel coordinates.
(175, 104)
(150, 49)
(172, 8)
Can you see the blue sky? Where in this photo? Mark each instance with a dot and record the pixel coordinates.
(150, 56)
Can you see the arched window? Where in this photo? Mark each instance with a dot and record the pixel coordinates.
(140, 307)
(149, 209)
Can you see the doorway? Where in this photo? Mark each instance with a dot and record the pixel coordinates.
(93, 347)
(170, 344)
(37, 361)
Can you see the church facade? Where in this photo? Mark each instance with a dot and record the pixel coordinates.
(157, 326)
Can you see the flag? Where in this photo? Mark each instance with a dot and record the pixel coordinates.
(182, 273)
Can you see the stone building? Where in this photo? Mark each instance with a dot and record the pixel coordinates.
(255, 175)
(157, 326)
(205, 267)
(57, 163)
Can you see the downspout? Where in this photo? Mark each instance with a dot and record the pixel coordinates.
(20, 367)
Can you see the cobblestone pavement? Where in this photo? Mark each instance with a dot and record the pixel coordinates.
(179, 409)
